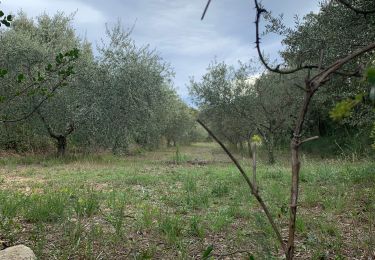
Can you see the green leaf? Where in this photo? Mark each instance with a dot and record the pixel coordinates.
(3, 72)
(49, 67)
(2, 98)
(59, 58)
(20, 78)
(251, 257)
(371, 76)
(5, 22)
(1, 13)
(207, 252)
(9, 18)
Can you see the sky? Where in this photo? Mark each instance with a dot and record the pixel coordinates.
(174, 29)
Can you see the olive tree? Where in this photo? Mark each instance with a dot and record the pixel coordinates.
(136, 84)
(180, 122)
(221, 96)
(34, 73)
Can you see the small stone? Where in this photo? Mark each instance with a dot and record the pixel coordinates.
(19, 252)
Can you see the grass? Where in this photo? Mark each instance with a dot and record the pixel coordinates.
(147, 207)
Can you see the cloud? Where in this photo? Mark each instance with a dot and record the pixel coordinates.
(174, 28)
(86, 14)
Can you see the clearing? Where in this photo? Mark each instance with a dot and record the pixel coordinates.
(148, 207)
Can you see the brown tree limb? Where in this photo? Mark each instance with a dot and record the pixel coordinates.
(253, 189)
(323, 76)
(48, 127)
(311, 85)
(29, 114)
(259, 11)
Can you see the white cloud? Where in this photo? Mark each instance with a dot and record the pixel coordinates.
(174, 27)
(86, 14)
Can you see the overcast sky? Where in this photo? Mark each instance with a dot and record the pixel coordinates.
(174, 28)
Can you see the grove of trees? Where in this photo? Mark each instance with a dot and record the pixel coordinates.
(54, 90)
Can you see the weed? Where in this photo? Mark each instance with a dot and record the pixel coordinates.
(149, 214)
(60, 218)
(86, 204)
(190, 184)
(196, 227)
(116, 218)
(171, 227)
(300, 225)
(220, 189)
(196, 200)
(220, 221)
(178, 157)
(49, 207)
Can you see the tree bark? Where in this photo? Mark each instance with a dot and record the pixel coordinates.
(241, 149)
(270, 151)
(249, 149)
(254, 148)
(61, 145)
(296, 164)
(253, 190)
(60, 138)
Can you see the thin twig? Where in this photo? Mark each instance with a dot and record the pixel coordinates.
(259, 11)
(300, 87)
(309, 139)
(253, 190)
(205, 9)
(323, 76)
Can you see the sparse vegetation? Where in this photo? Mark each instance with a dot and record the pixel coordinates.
(139, 207)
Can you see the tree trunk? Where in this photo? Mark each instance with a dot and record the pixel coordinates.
(241, 149)
(270, 151)
(254, 148)
(61, 145)
(296, 164)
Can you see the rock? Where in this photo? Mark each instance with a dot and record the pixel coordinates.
(19, 252)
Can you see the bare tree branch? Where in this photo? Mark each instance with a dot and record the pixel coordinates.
(323, 76)
(259, 11)
(205, 9)
(253, 189)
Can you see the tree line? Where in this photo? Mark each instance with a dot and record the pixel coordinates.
(55, 90)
